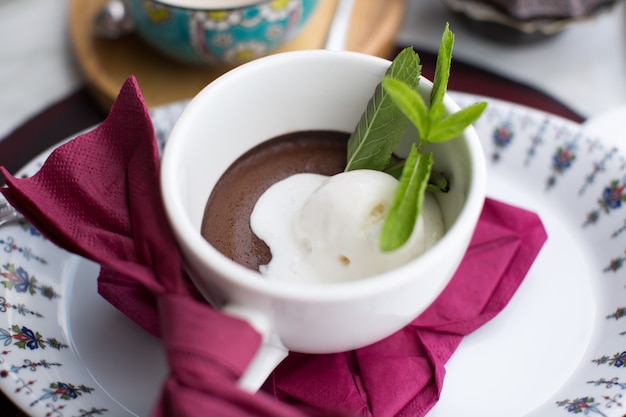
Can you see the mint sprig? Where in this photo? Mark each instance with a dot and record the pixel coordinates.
(395, 102)
(433, 126)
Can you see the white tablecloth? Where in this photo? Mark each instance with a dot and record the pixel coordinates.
(36, 61)
(584, 67)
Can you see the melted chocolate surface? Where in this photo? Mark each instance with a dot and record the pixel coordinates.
(226, 221)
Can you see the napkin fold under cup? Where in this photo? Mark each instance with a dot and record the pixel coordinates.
(98, 196)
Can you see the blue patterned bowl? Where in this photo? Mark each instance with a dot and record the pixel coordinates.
(218, 32)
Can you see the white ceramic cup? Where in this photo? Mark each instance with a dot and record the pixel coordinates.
(290, 92)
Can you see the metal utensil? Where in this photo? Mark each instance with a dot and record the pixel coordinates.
(113, 20)
(8, 214)
(337, 39)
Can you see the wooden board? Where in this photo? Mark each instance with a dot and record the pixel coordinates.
(108, 63)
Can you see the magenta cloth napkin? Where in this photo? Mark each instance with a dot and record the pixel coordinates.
(98, 196)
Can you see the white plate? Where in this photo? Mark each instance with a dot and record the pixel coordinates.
(559, 347)
(610, 126)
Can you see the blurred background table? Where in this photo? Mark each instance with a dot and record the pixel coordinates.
(577, 74)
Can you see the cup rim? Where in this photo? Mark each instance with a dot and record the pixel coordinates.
(313, 292)
(211, 4)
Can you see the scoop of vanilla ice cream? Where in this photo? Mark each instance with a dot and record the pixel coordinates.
(340, 226)
(331, 226)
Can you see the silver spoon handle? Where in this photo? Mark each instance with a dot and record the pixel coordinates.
(337, 39)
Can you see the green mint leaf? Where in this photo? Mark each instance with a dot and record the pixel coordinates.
(455, 124)
(382, 124)
(407, 202)
(409, 102)
(442, 75)
(438, 183)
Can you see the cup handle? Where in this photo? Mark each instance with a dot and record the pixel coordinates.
(269, 355)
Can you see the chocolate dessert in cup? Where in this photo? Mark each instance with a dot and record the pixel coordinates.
(298, 92)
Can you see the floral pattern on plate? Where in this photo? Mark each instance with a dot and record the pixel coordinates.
(46, 368)
(585, 181)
